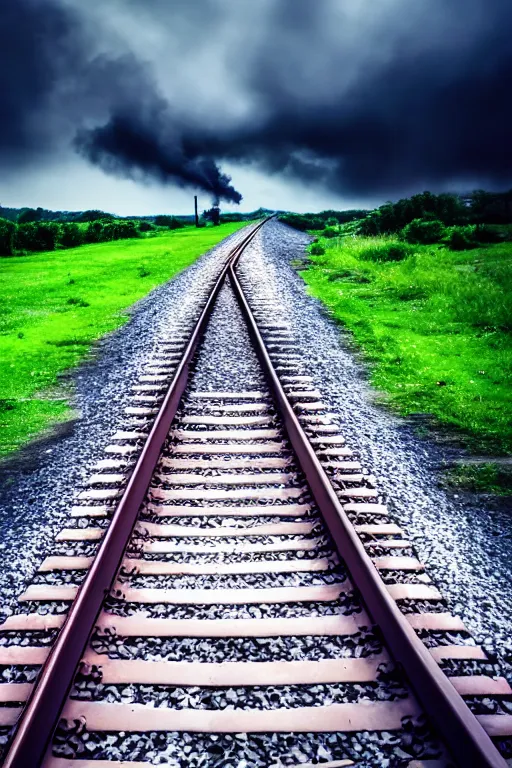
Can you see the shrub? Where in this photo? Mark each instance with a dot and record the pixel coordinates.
(77, 302)
(484, 233)
(302, 221)
(461, 239)
(317, 249)
(145, 226)
(169, 221)
(94, 232)
(122, 229)
(330, 232)
(37, 236)
(7, 237)
(70, 235)
(424, 231)
(386, 252)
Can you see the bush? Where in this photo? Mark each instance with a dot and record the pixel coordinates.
(145, 226)
(70, 235)
(122, 229)
(484, 233)
(386, 252)
(302, 221)
(37, 236)
(7, 237)
(317, 249)
(103, 231)
(329, 232)
(94, 232)
(169, 221)
(424, 231)
(461, 239)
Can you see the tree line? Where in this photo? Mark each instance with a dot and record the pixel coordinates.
(34, 230)
(479, 207)
(459, 221)
(49, 235)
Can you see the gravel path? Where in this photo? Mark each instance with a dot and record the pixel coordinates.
(465, 543)
(37, 488)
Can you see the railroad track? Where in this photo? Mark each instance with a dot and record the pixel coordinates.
(231, 591)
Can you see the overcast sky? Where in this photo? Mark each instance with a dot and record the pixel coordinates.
(133, 106)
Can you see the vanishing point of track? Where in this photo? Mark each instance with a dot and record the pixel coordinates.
(255, 490)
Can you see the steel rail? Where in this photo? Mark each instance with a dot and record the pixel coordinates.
(40, 716)
(463, 735)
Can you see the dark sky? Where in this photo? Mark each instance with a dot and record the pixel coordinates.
(134, 105)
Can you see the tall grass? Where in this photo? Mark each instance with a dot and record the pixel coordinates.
(434, 324)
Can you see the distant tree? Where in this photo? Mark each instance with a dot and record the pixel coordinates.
(27, 215)
(491, 207)
(145, 226)
(7, 237)
(94, 216)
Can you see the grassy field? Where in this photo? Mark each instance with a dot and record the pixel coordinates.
(54, 305)
(434, 325)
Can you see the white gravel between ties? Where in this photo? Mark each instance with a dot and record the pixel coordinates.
(465, 543)
(37, 489)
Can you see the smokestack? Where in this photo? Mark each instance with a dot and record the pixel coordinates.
(195, 210)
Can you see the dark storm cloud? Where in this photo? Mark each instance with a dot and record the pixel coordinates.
(54, 78)
(363, 101)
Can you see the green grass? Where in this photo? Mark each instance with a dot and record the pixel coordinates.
(53, 306)
(434, 326)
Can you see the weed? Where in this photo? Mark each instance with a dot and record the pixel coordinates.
(143, 271)
(487, 477)
(77, 302)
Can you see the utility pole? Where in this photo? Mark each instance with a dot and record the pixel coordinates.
(195, 210)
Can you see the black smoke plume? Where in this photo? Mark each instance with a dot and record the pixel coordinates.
(53, 78)
(374, 103)
(126, 147)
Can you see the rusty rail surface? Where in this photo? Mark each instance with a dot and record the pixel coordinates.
(41, 714)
